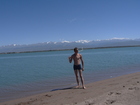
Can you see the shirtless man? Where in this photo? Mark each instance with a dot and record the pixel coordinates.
(77, 58)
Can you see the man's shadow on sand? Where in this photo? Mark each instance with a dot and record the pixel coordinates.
(67, 88)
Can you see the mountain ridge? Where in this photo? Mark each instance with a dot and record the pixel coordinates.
(64, 45)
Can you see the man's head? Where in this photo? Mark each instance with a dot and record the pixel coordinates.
(76, 50)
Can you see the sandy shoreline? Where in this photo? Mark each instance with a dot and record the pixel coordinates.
(123, 90)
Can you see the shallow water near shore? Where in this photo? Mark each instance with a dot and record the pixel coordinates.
(25, 74)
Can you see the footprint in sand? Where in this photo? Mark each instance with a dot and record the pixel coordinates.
(110, 93)
(134, 88)
(48, 95)
(123, 86)
(116, 93)
(110, 102)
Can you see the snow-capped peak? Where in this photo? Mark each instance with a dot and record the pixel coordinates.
(65, 41)
(82, 41)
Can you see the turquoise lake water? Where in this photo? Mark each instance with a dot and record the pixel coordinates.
(25, 74)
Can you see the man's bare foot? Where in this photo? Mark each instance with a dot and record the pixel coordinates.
(77, 87)
(84, 87)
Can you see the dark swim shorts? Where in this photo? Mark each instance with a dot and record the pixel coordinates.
(77, 67)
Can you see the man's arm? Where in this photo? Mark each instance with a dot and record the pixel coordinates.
(82, 61)
(70, 59)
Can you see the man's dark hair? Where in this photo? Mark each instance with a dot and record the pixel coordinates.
(75, 48)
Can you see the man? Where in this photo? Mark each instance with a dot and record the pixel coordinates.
(77, 58)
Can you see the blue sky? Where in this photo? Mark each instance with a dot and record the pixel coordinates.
(35, 21)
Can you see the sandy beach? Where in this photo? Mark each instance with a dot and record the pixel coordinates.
(123, 90)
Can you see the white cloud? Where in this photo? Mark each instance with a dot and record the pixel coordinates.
(115, 38)
(119, 38)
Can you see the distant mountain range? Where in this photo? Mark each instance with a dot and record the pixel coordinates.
(114, 42)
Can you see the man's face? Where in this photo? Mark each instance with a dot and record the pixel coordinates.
(76, 50)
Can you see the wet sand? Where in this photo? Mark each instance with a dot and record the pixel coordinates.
(123, 90)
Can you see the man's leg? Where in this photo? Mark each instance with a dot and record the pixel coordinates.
(82, 79)
(76, 74)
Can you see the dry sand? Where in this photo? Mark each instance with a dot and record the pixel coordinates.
(123, 90)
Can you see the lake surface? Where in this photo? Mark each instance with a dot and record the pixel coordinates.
(25, 74)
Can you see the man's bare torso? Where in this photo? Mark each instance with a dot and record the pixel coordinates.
(77, 59)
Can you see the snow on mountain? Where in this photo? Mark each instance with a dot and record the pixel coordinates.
(70, 45)
(82, 41)
(65, 41)
(119, 39)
